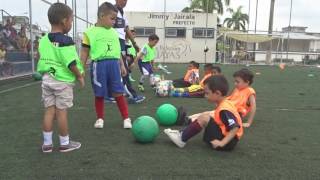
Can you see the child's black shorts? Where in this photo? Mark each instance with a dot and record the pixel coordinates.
(213, 132)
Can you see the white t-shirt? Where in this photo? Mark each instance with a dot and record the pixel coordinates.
(120, 25)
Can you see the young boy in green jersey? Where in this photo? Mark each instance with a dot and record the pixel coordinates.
(145, 60)
(101, 44)
(61, 67)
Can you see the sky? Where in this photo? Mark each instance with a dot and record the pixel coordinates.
(304, 12)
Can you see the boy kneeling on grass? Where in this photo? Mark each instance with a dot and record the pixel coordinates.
(223, 128)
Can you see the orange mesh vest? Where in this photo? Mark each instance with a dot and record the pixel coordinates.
(227, 105)
(204, 78)
(240, 99)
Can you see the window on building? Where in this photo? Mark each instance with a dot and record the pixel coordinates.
(176, 32)
(201, 33)
(144, 31)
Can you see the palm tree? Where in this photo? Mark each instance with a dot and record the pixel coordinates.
(238, 20)
(206, 6)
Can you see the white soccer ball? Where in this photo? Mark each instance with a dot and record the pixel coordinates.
(163, 88)
(155, 79)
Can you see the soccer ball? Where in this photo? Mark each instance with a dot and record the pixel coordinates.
(167, 114)
(145, 129)
(164, 88)
(155, 79)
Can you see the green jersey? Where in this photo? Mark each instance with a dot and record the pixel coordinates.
(149, 53)
(56, 60)
(104, 43)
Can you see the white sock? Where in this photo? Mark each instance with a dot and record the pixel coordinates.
(47, 138)
(64, 140)
(142, 79)
(151, 79)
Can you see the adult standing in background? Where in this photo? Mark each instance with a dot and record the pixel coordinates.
(122, 27)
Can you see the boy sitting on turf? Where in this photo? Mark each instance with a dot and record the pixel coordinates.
(197, 90)
(60, 66)
(191, 77)
(223, 128)
(243, 96)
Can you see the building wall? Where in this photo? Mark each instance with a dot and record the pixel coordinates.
(172, 49)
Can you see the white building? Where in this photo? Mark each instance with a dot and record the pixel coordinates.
(293, 43)
(183, 36)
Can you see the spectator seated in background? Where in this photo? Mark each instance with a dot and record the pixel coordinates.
(5, 67)
(239, 55)
(9, 35)
(22, 41)
(191, 77)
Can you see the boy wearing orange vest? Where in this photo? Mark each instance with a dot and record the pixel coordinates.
(243, 96)
(191, 77)
(196, 90)
(223, 128)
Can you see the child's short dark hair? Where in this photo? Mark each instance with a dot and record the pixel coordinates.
(218, 83)
(153, 37)
(195, 64)
(244, 74)
(106, 8)
(208, 66)
(217, 68)
(57, 12)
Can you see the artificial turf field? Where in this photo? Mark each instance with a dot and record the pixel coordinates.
(283, 142)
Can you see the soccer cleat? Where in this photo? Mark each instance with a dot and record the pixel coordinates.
(136, 100)
(127, 123)
(73, 145)
(109, 100)
(99, 124)
(175, 137)
(141, 88)
(47, 148)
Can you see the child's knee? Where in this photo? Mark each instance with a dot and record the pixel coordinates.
(203, 120)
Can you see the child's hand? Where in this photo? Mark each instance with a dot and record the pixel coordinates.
(123, 71)
(81, 81)
(216, 143)
(246, 125)
(155, 68)
(136, 47)
(131, 66)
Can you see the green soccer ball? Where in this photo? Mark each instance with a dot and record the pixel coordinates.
(145, 129)
(167, 114)
(37, 76)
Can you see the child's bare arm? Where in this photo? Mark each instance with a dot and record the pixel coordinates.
(122, 68)
(77, 73)
(84, 54)
(252, 101)
(231, 134)
(139, 56)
